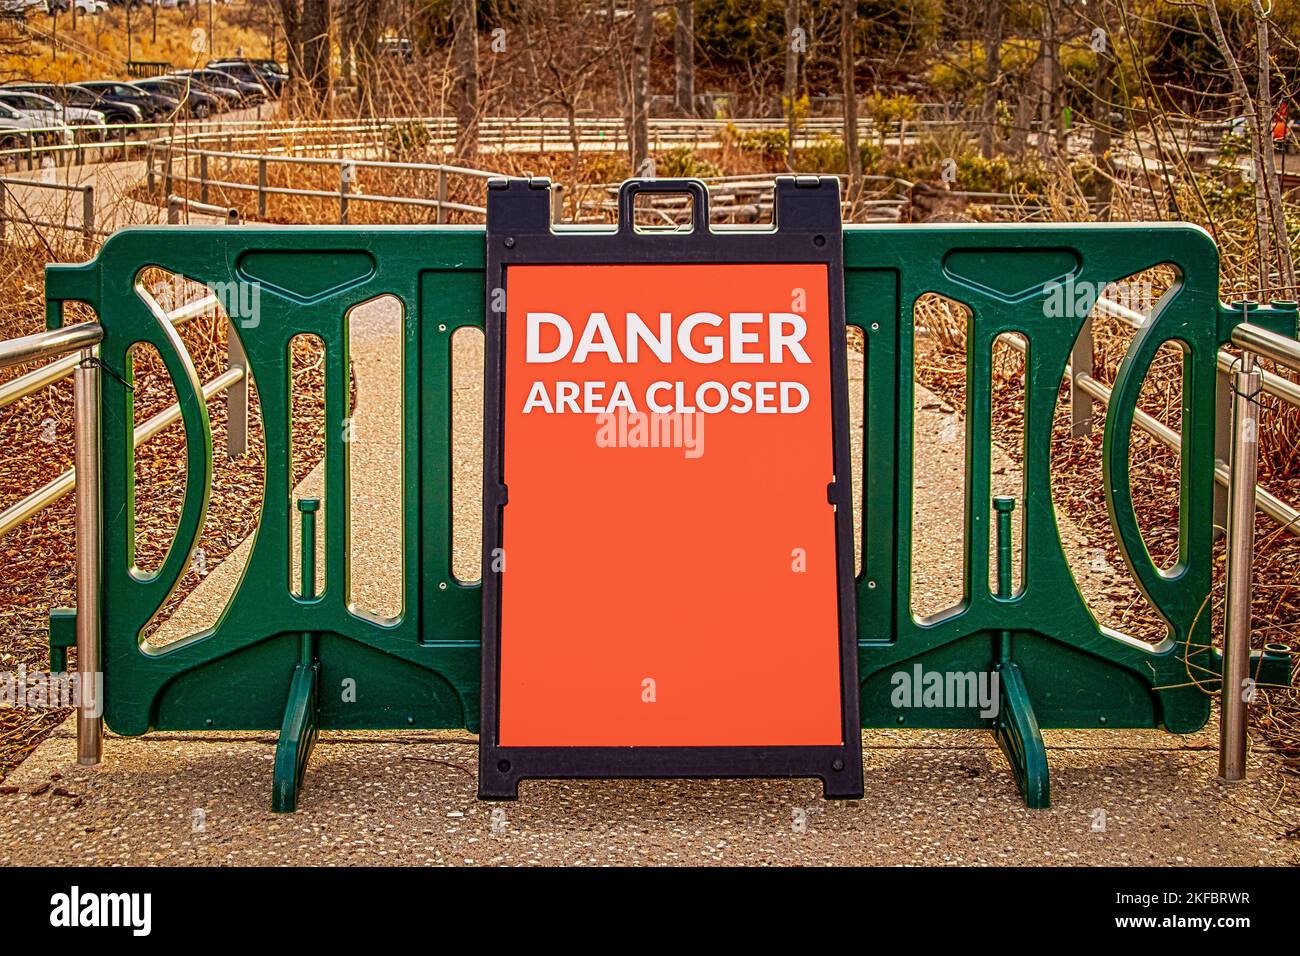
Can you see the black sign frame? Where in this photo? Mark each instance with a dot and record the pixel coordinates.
(806, 229)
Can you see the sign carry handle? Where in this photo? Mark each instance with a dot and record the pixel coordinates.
(694, 188)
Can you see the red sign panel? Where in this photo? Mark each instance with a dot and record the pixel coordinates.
(668, 554)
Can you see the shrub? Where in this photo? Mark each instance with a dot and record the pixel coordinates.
(682, 162)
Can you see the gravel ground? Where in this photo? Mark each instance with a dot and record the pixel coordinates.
(1127, 797)
(402, 797)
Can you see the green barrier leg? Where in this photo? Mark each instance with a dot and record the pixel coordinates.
(1016, 731)
(1016, 728)
(301, 724)
(297, 738)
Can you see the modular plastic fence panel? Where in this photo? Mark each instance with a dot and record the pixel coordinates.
(1059, 667)
(421, 671)
(1076, 672)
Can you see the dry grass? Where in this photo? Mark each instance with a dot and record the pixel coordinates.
(33, 57)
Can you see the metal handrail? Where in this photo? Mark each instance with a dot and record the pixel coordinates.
(87, 227)
(52, 491)
(175, 205)
(1272, 346)
(37, 379)
(51, 343)
(1269, 503)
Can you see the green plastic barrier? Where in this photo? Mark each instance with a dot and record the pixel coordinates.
(277, 660)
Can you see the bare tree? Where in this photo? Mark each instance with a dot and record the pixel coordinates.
(852, 157)
(316, 48)
(291, 21)
(684, 58)
(1052, 94)
(563, 70)
(1269, 224)
(643, 33)
(1103, 95)
(615, 40)
(993, 18)
(795, 43)
(464, 22)
(1272, 184)
(370, 16)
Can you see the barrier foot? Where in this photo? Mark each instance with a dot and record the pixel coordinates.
(1016, 730)
(297, 738)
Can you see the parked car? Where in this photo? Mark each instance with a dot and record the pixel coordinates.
(229, 97)
(113, 111)
(45, 114)
(84, 7)
(15, 128)
(78, 98)
(152, 110)
(72, 115)
(191, 100)
(252, 71)
(18, 9)
(249, 94)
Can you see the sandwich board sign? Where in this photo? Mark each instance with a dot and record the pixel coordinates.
(668, 563)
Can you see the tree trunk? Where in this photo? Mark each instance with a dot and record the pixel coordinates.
(684, 58)
(289, 13)
(615, 41)
(464, 20)
(642, 43)
(1103, 96)
(794, 45)
(1255, 125)
(316, 47)
(992, 71)
(1052, 88)
(1027, 102)
(852, 156)
(1272, 184)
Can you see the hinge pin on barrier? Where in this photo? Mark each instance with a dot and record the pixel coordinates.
(301, 723)
(1004, 506)
(1015, 726)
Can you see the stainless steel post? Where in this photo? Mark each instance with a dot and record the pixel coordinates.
(1241, 546)
(1222, 446)
(345, 183)
(261, 188)
(1081, 362)
(88, 216)
(90, 721)
(236, 396)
